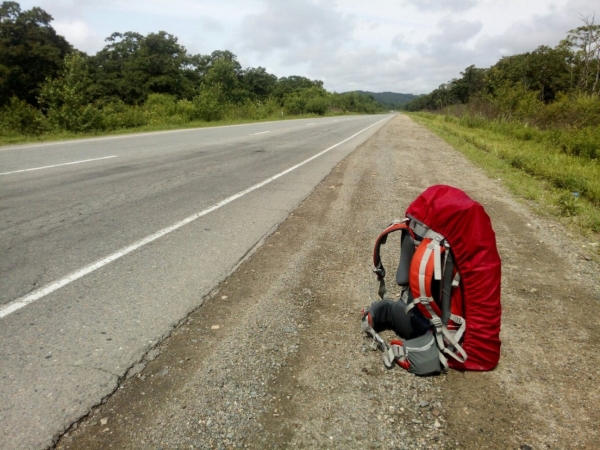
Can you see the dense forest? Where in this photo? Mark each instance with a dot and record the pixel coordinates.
(47, 86)
(546, 89)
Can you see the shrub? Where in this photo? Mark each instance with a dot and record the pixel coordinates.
(317, 105)
(19, 117)
(117, 115)
(567, 204)
(208, 105)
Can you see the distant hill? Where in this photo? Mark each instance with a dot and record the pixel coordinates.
(392, 100)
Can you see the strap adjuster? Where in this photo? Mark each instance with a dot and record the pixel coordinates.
(436, 322)
(379, 271)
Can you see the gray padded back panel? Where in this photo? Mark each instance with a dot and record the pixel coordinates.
(407, 250)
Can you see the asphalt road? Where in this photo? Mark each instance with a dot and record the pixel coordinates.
(106, 244)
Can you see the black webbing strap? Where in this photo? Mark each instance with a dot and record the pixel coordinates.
(447, 287)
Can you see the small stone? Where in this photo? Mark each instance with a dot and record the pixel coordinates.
(136, 369)
(525, 447)
(437, 424)
(423, 403)
(435, 413)
(163, 372)
(152, 354)
(215, 327)
(104, 421)
(224, 297)
(533, 290)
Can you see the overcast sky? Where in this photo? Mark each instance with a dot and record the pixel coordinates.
(409, 46)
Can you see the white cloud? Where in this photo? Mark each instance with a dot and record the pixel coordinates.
(403, 46)
(293, 26)
(398, 41)
(79, 35)
(453, 5)
(455, 31)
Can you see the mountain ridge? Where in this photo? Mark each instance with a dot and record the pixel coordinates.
(392, 100)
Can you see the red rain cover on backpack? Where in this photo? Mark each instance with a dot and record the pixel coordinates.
(467, 227)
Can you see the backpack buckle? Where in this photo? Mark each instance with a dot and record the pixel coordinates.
(436, 322)
(379, 271)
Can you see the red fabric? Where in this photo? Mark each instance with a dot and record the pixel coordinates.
(415, 269)
(468, 229)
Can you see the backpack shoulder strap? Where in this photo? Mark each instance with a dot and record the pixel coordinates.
(378, 268)
(425, 267)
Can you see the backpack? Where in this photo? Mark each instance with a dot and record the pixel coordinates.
(450, 270)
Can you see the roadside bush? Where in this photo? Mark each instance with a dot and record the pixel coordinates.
(317, 105)
(159, 107)
(19, 117)
(576, 110)
(295, 104)
(245, 110)
(66, 99)
(207, 104)
(116, 115)
(76, 118)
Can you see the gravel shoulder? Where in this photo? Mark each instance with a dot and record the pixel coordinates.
(275, 357)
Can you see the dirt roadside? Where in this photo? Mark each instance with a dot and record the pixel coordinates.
(275, 359)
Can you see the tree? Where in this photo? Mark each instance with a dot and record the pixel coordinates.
(584, 42)
(295, 83)
(66, 98)
(258, 82)
(133, 66)
(472, 82)
(223, 77)
(542, 70)
(30, 52)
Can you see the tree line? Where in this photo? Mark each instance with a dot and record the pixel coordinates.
(46, 85)
(551, 94)
(540, 77)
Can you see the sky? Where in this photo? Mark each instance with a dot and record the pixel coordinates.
(408, 46)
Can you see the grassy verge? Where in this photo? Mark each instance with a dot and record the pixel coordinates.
(560, 185)
(64, 135)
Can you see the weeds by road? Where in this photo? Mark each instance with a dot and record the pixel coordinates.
(10, 139)
(560, 184)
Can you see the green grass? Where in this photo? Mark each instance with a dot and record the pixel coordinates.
(561, 185)
(65, 135)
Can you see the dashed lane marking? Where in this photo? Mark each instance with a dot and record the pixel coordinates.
(19, 303)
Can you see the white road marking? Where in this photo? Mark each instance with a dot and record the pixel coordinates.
(19, 303)
(58, 165)
(262, 132)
